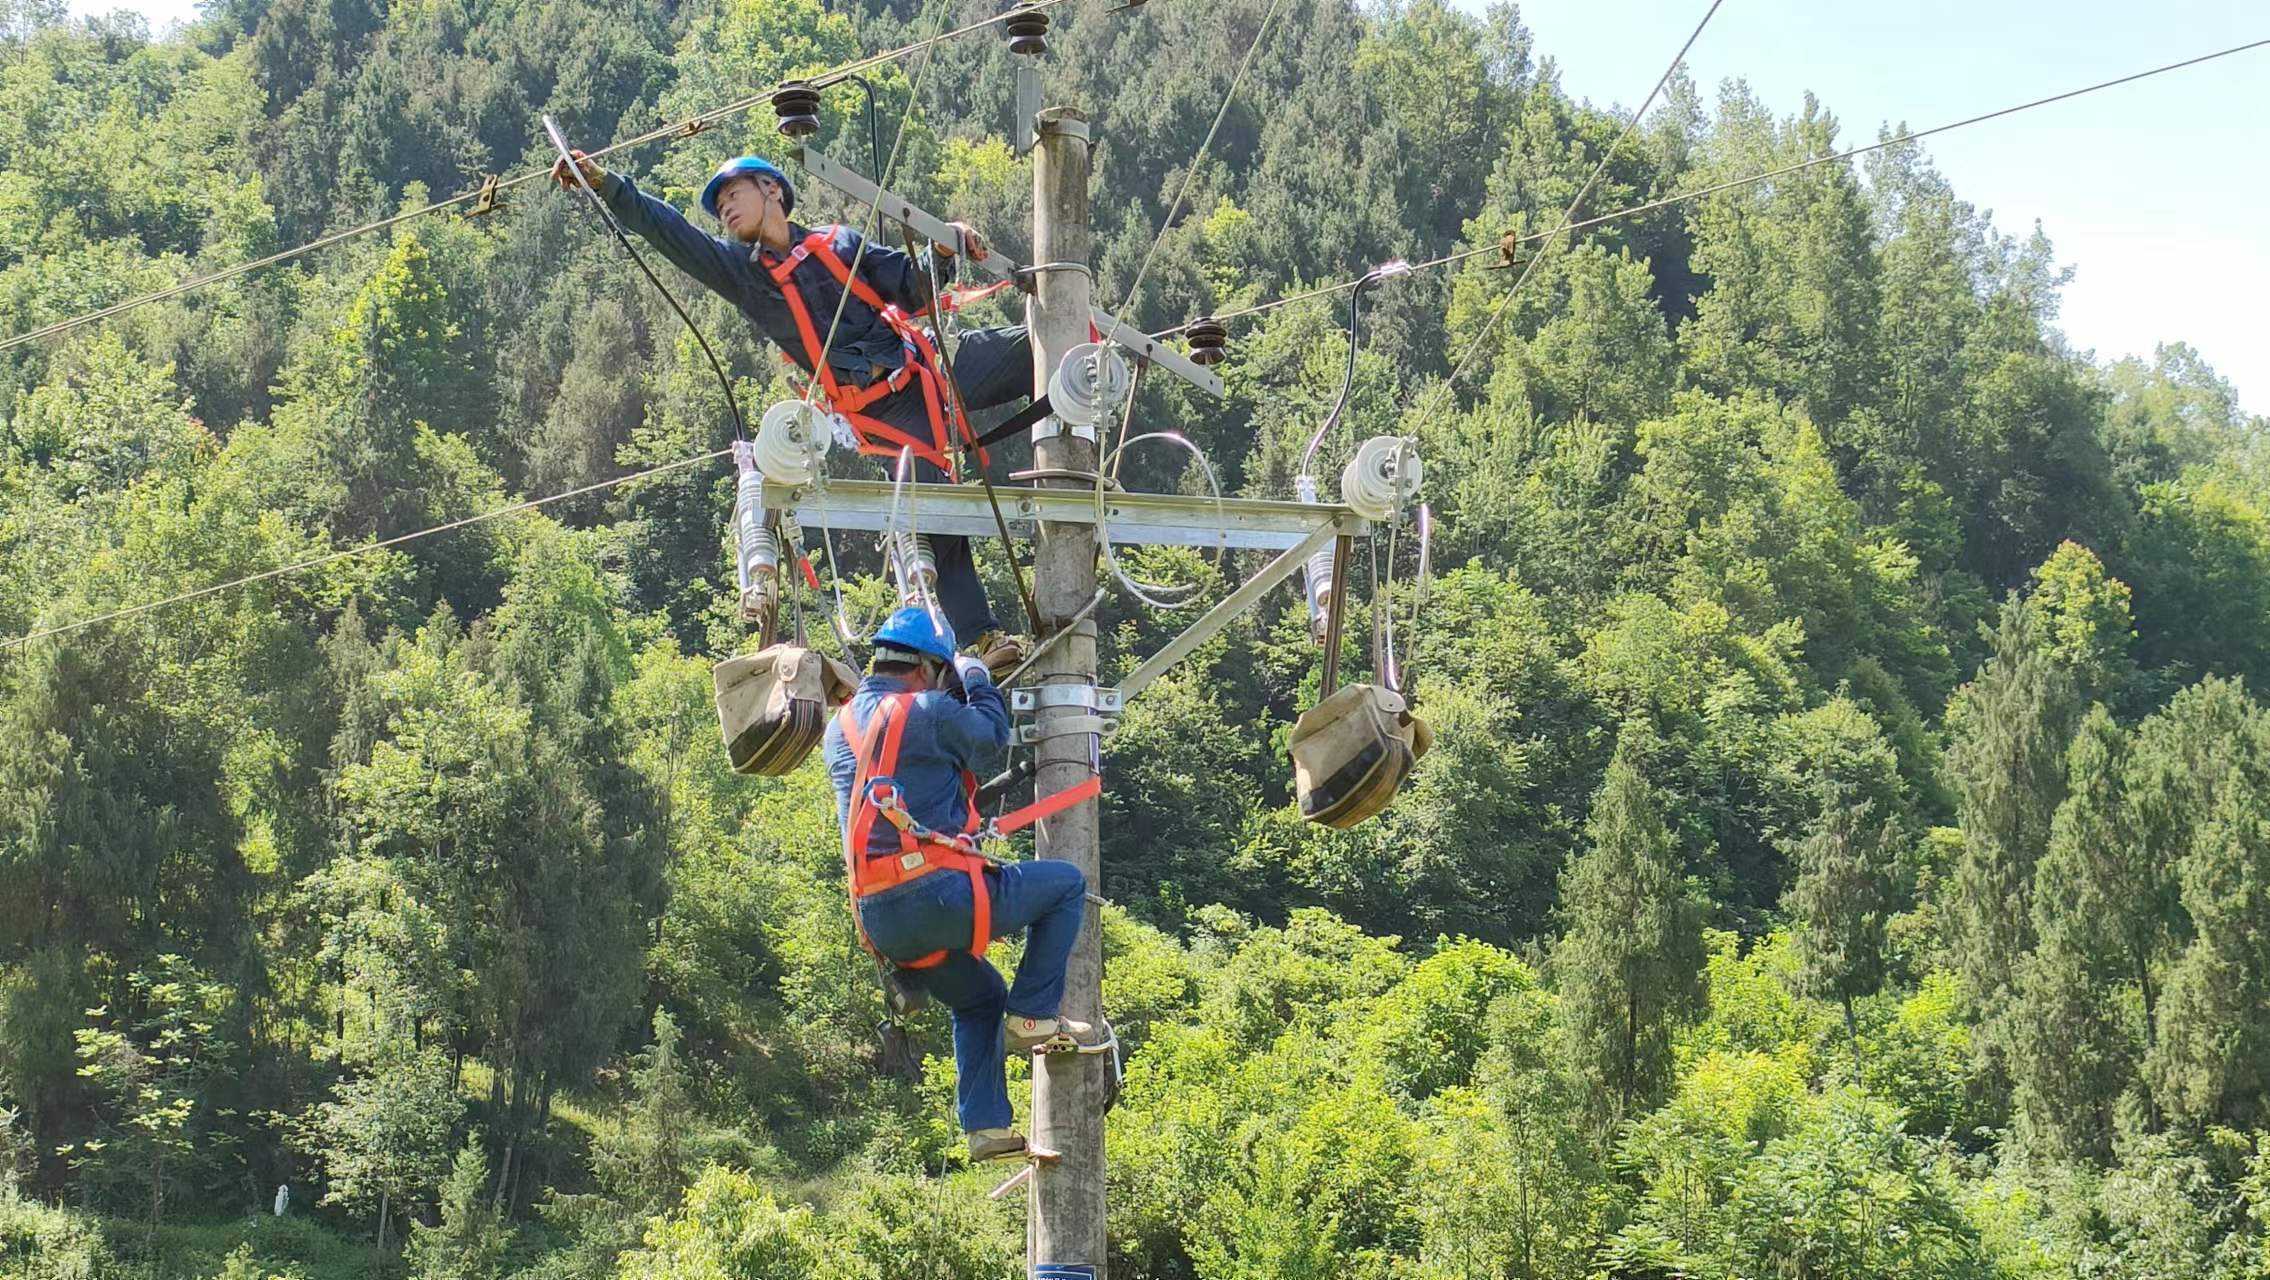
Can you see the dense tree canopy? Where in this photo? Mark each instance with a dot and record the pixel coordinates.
(1845, 851)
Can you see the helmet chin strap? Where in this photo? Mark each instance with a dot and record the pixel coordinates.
(769, 195)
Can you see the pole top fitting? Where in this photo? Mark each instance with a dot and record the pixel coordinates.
(1068, 121)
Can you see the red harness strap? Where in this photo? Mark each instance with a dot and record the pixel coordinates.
(875, 749)
(876, 437)
(954, 299)
(1049, 807)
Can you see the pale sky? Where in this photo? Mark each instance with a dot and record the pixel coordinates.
(2156, 193)
(161, 13)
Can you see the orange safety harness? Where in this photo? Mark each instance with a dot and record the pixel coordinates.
(875, 795)
(876, 437)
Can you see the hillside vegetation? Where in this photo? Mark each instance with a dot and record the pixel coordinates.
(1846, 851)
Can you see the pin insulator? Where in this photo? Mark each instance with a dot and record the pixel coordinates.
(1028, 31)
(1209, 340)
(797, 104)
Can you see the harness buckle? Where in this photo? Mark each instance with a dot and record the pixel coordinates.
(885, 796)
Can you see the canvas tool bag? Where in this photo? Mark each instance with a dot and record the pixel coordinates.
(1352, 751)
(773, 705)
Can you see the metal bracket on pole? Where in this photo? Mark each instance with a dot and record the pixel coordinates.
(1028, 104)
(1064, 727)
(1335, 615)
(1034, 1158)
(1084, 696)
(1055, 426)
(1016, 1180)
(1066, 124)
(1102, 706)
(999, 265)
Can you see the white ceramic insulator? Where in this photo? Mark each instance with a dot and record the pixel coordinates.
(1382, 478)
(1319, 585)
(1316, 572)
(1090, 379)
(791, 440)
(756, 551)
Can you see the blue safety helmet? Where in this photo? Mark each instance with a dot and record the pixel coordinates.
(911, 629)
(748, 167)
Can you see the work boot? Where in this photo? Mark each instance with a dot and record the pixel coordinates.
(994, 1144)
(1000, 651)
(1048, 1035)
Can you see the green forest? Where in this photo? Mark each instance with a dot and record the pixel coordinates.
(1845, 850)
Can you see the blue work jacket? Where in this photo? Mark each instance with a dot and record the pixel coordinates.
(741, 274)
(944, 738)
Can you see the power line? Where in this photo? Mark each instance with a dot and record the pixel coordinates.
(365, 549)
(1733, 183)
(874, 215)
(719, 113)
(693, 123)
(1568, 215)
(1190, 175)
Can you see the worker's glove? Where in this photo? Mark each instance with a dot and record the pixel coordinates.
(592, 173)
(969, 241)
(969, 671)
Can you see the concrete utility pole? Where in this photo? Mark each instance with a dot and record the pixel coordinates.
(1064, 1236)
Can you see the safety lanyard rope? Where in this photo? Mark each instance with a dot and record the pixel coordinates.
(942, 315)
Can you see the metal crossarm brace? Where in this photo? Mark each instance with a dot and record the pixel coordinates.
(1155, 519)
(1247, 595)
(998, 265)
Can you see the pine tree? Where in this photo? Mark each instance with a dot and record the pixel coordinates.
(1843, 895)
(644, 1164)
(471, 1241)
(2070, 1057)
(2211, 1063)
(1632, 955)
(1794, 301)
(648, 1162)
(2101, 912)
(2009, 731)
(2191, 788)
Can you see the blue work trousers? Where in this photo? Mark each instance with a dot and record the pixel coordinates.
(934, 913)
(993, 367)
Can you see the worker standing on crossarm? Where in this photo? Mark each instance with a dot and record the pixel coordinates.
(882, 371)
(903, 754)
